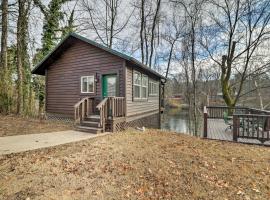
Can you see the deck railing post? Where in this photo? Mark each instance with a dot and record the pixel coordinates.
(205, 116)
(87, 107)
(235, 127)
(75, 115)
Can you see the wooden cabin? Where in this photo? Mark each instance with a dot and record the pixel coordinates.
(99, 88)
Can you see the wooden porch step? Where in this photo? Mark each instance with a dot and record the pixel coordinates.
(89, 129)
(92, 118)
(90, 124)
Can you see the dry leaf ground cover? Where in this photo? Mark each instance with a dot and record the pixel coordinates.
(14, 125)
(136, 165)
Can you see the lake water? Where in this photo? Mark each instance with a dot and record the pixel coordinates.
(175, 119)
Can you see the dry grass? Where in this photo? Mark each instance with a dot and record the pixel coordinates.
(135, 165)
(14, 125)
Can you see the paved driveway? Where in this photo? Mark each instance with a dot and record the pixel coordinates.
(18, 143)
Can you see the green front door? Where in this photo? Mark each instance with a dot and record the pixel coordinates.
(109, 85)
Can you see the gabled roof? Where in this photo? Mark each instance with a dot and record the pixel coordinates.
(67, 41)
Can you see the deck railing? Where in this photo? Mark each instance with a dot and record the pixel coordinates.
(251, 126)
(111, 107)
(82, 109)
(258, 111)
(117, 106)
(217, 112)
(247, 123)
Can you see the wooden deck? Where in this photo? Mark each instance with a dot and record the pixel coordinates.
(216, 130)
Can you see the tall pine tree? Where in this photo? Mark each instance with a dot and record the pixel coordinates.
(23, 65)
(52, 32)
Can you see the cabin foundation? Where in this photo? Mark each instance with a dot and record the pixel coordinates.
(120, 124)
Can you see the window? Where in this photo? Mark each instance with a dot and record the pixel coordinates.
(144, 87)
(87, 84)
(140, 85)
(153, 88)
(137, 85)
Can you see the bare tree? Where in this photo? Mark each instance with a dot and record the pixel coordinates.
(149, 16)
(193, 14)
(174, 30)
(104, 18)
(239, 28)
(142, 28)
(153, 28)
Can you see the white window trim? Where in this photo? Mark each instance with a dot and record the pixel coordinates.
(151, 91)
(140, 85)
(82, 77)
(135, 84)
(135, 72)
(144, 86)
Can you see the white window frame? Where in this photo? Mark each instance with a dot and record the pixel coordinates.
(135, 84)
(151, 87)
(88, 77)
(140, 86)
(144, 86)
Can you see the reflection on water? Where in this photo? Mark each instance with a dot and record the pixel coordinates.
(175, 119)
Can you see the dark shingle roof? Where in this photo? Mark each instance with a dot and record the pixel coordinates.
(47, 60)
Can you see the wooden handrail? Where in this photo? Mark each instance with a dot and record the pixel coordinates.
(258, 111)
(251, 115)
(82, 109)
(102, 103)
(111, 107)
(217, 112)
(78, 103)
(239, 107)
(103, 112)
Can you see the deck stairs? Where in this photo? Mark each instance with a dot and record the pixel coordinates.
(93, 119)
(90, 124)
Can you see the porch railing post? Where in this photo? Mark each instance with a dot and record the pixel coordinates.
(235, 127)
(205, 116)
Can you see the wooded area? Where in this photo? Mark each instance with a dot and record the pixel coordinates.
(203, 47)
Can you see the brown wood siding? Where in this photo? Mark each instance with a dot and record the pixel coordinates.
(135, 107)
(64, 76)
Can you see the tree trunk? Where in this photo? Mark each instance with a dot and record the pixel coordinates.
(141, 30)
(153, 33)
(226, 91)
(112, 2)
(25, 60)
(194, 82)
(20, 54)
(169, 60)
(226, 67)
(259, 94)
(4, 71)
(4, 34)
(146, 45)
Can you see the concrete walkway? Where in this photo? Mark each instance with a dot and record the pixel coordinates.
(19, 143)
